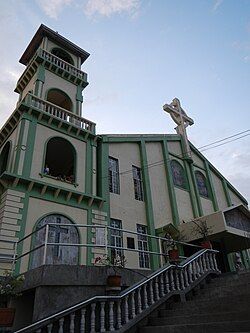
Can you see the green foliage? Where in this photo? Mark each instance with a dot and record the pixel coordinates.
(10, 285)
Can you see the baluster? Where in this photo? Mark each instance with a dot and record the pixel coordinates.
(111, 316)
(151, 292)
(139, 300)
(194, 270)
(177, 279)
(203, 263)
(61, 321)
(172, 284)
(126, 309)
(190, 273)
(72, 323)
(207, 261)
(49, 328)
(197, 268)
(119, 315)
(92, 320)
(82, 322)
(215, 263)
(186, 284)
(102, 317)
(211, 261)
(167, 282)
(156, 289)
(133, 304)
(200, 266)
(162, 291)
(182, 279)
(145, 294)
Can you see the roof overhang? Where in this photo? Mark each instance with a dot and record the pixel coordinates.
(43, 31)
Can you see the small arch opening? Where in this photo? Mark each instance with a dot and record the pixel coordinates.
(60, 159)
(59, 98)
(4, 157)
(60, 53)
(201, 184)
(178, 174)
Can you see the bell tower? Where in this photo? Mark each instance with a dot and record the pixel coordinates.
(48, 154)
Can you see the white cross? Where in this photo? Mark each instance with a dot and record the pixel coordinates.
(180, 117)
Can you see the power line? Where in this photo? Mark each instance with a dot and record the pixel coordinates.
(160, 162)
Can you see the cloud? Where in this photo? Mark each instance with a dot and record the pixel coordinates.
(217, 4)
(52, 8)
(110, 7)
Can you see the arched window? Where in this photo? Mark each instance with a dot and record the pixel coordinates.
(60, 159)
(4, 157)
(59, 98)
(202, 184)
(58, 233)
(178, 174)
(60, 53)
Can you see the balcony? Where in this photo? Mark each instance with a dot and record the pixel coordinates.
(54, 64)
(57, 113)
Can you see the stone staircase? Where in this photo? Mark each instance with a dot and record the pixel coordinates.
(221, 306)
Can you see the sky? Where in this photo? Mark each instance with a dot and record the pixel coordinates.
(144, 53)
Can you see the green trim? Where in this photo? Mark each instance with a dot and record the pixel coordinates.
(196, 191)
(89, 168)
(29, 149)
(226, 191)
(41, 73)
(18, 146)
(149, 205)
(211, 187)
(138, 138)
(79, 94)
(170, 184)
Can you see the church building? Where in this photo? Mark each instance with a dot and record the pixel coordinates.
(96, 195)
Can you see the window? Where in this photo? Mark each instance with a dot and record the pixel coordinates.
(143, 246)
(60, 159)
(116, 238)
(58, 233)
(201, 184)
(138, 186)
(178, 174)
(62, 55)
(114, 184)
(60, 99)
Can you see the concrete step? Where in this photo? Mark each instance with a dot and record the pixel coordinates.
(243, 300)
(199, 318)
(232, 279)
(223, 292)
(212, 327)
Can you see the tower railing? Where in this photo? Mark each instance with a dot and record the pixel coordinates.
(118, 313)
(58, 112)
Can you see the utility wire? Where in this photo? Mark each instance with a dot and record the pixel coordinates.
(157, 163)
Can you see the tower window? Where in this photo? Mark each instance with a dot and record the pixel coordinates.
(114, 184)
(178, 174)
(201, 184)
(4, 156)
(60, 159)
(63, 55)
(138, 186)
(59, 98)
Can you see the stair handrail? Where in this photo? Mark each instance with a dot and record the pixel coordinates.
(211, 265)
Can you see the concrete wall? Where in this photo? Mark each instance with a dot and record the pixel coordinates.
(30, 87)
(38, 209)
(123, 206)
(184, 205)
(235, 199)
(43, 134)
(159, 190)
(219, 192)
(175, 147)
(54, 81)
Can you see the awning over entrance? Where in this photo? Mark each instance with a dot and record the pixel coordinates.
(232, 226)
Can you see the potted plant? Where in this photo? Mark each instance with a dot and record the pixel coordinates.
(9, 288)
(116, 262)
(172, 242)
(202, 229)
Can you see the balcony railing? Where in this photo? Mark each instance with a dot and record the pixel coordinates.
(62, 64)
(59, 113)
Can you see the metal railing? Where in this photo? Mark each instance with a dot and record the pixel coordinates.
(60, 113)
(117, 313)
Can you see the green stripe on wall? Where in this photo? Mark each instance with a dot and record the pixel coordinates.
(211, 185)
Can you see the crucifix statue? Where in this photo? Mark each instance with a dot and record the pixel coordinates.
(180, 117)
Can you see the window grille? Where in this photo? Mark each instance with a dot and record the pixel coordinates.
(116, 238)
(138, 185)
(114, 184)
(143, 246)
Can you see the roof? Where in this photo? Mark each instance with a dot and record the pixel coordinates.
(53, 36)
